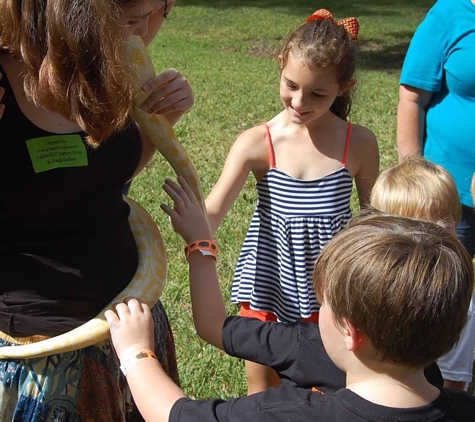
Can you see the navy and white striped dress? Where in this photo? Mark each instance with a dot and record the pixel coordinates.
(292, 222)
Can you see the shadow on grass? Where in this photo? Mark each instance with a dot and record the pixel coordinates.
(299, 7)
(373, 54)
(384, 52)
(376, 54)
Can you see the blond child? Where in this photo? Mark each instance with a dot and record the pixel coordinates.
(420, 189)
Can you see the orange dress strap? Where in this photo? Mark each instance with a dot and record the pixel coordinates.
(347, 144)
(269, 146)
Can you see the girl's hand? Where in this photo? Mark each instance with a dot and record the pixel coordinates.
(171, 93)
(186, 216)
(131, 327)
(2, 106)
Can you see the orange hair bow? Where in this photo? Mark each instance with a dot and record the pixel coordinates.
(351, 25)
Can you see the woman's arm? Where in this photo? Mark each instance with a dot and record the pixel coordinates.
(171, 95)
(413, 103)
(174, 110)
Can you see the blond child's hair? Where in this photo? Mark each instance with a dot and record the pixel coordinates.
(401, 282)
(419, 189)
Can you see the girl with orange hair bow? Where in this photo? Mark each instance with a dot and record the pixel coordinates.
(304, 161)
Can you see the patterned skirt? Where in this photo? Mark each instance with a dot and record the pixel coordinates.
(84, 385)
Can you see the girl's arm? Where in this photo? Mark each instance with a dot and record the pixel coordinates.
(368, 154)
(411, 117)
(248, 154)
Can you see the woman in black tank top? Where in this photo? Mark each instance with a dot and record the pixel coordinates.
(66, 247)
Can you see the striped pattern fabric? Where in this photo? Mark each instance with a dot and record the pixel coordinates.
(292, 222)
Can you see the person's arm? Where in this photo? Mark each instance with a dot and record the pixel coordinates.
(187, 218)
(248, 153)
(157, 397)
(411, 115)
(171, 95)
(246, 338)
(422, 75)
(153, 391)
(456, 385)
(368, 157)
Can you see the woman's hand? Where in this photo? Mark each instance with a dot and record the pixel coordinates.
(2, 106)
(171, 93)
(131, 327)
(186, 216)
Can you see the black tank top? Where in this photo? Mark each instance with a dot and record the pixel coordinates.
(66, 247)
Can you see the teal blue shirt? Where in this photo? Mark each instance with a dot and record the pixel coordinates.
(441, 60)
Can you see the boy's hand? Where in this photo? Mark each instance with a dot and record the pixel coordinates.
(171, 92)
(186, 216)
(131, 327)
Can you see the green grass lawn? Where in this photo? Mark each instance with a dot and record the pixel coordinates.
(228, 51)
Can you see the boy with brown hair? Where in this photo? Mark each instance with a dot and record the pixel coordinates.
(388, 285)
(420, 189)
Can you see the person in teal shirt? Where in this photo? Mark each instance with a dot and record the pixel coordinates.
(436, 114)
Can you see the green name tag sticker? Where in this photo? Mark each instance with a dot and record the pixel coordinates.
(51, 152)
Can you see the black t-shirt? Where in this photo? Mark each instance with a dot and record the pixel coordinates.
(294, 350)
(66, 247)
(288, 403)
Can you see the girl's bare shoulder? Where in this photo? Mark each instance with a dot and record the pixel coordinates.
(364, 151)
(253, 142)
(363, 135)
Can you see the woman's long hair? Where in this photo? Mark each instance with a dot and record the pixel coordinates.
(74, 59)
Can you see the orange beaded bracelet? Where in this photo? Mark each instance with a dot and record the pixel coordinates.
(206, 247)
